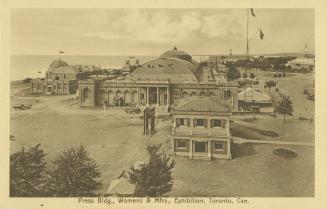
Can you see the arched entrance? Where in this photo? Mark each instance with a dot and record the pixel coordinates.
(134, 97)
(127, 98)
(111, 96)
(85, 94)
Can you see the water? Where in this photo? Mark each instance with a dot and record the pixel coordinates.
(24, 66)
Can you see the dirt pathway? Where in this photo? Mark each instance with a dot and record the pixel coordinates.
(238, 140)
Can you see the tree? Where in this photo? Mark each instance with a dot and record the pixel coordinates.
(284, 106)
(245, 75)
(269, 84)
(233, 73)
(153, 179)
(75, 174)
(27, 172)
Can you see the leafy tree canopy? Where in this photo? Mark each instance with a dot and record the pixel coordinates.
(233, 73)
(284, 106)
(27, 172)
(75, 174)
(153, 179)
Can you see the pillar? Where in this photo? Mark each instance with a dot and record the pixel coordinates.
(209, 149)
(173, 145)
(168, 96)
(228, 149)
(190, 152)
(138, 96)
(227, 125)
(80, 95)
(158, 103)
(147, 96)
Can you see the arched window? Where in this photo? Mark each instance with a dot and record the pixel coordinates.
(202, 94)
(193, 94)
(118, 93)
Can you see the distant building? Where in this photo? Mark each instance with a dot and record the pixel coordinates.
(301, 65)
(253, 97)
(162, 81)
(131, 64)
(61, 78)
(201, 128)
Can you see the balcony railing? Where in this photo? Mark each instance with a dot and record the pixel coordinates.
(201, 132)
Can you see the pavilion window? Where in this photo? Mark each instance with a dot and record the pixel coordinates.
(200, 123)
(181, 144)
(219, 146)
(215, 123)
(182, 122)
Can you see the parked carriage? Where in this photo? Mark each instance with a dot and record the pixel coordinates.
(132, 110)
(22, 107)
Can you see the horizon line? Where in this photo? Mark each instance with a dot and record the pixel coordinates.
(276, 53)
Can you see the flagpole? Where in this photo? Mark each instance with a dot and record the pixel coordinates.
(247, 34)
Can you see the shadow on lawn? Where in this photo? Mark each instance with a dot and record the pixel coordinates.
(242, 150)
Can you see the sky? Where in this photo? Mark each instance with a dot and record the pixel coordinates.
(153, 31)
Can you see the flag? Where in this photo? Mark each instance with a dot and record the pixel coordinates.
(61, 52)
(252, 12)
(261, 34)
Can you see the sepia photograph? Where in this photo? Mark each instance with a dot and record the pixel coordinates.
(162, 102)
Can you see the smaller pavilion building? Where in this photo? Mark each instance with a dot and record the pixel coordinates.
(61, 78)
(201, 128)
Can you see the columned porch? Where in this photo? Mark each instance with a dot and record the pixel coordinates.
(154, 95)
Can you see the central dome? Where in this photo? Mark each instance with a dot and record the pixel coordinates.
(58, 63)
(175, 53)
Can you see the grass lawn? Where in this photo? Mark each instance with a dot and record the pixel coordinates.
(288, 131)
(254, 171)
(293, 85)
(115, 141)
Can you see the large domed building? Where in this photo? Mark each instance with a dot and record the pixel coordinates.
(161, 81)
(174, 65)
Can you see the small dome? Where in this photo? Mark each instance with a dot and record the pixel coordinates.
(175, 53)
(58, 63)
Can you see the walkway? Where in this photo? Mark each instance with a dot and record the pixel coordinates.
(238, 140)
